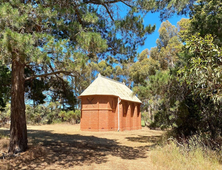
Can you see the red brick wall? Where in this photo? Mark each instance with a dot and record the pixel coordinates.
(100, 113)
(139, 117)
(135, 122)
(89, 114)
(112, 124)
(123, 114)
(128, 121)
(132, 119)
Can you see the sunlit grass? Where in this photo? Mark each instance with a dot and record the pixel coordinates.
(174, 156)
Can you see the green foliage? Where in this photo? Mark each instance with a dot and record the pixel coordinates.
(5, 76)
(183, 28)
(190, 102)
(168, 46)
(142, 123)
(144, 67)
(104, 68)
(155, 81)
(35, 115)
(168, 8)
(202, 78)
(34, 89)
(70, 116)
(206, 18)
(166, 32)
(203, 70)
(52, 113)
(5, 114)
(189, 99)
(62, 91)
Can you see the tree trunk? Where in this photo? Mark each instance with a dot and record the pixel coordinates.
(18, 129)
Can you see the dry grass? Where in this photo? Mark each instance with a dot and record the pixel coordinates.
(174, 157)
(64, 146)
(4, 142)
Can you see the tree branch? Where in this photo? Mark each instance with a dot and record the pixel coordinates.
(108, 12)
(126, 3)
(29, 68)
(101, 2)
(48, 74)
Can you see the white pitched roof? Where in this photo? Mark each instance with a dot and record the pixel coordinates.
(105, 86)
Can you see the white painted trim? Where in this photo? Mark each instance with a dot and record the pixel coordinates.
(119, 100)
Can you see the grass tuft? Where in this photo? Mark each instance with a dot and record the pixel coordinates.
(174, 156)
(4, 142)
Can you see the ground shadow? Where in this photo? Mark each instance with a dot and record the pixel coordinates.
(144, 139)
(70, 150)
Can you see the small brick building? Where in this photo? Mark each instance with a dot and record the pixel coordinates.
(108, 105)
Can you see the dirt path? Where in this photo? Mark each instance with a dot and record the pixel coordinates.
(64, 146)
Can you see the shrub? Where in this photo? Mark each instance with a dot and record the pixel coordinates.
(188, 154)
(71, 116)
(5, 115)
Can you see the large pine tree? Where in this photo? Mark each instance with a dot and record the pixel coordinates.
(54, 37)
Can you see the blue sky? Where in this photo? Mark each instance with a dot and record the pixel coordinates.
(153, 18)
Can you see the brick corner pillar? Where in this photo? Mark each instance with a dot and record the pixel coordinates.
(140, 127)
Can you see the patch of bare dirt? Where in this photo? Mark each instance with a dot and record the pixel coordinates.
(64, 146)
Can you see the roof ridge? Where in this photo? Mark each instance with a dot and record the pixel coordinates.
(112, 80)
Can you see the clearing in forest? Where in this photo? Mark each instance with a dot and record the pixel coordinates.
(64, 146)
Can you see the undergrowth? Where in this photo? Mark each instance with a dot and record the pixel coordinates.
(193, 153)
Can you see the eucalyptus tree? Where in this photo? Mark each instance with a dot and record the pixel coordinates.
(168, 46)
(143, 68)
(53, 37)
(206, 18)
(205, 15)
(192, 99)
(152, 75)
